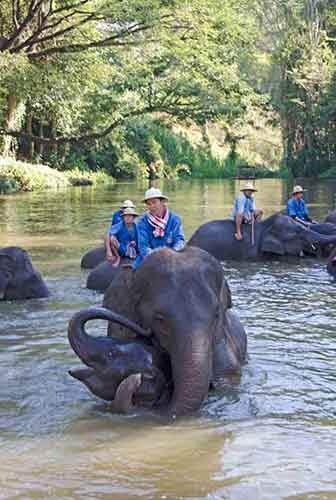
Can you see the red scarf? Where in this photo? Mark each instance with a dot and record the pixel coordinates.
(159, 223)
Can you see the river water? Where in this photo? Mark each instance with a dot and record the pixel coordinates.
(270, 434)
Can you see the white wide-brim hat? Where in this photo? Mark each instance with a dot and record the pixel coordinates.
(127, 204)
(154, 193)
(129, 211)
(298, 189)
(248, 187)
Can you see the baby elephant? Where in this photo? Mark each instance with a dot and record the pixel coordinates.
(127, 372)
(18, 278)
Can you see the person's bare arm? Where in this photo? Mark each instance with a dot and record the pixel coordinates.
(239, 219)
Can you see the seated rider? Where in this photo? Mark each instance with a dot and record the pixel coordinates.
(296, 207)
(117, 216)
(244, 210)
(158, 227)
(122, 238)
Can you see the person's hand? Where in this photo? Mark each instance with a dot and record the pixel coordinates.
(238, 236)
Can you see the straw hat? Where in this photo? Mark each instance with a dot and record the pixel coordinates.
(129, 211)
(298, 189)
(248, 187)
(154, 193)
(127, 204)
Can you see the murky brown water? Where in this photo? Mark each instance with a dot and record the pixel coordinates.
(271, 435)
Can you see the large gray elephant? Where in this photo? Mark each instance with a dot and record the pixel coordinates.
(18, 278)
(278, 235)
(182, 300)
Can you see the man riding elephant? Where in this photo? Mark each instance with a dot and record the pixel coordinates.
(296, 207)
(122, 238)
(158, 227)
(244, 210)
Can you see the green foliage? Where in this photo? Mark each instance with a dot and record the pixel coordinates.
(20, 176)
(77, 177)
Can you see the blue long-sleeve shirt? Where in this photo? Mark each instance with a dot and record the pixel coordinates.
(121, 232)
(297, 208)
(173, 236)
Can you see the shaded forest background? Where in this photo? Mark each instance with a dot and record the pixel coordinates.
(168, 87)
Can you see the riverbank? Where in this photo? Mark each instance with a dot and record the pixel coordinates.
(17, 176)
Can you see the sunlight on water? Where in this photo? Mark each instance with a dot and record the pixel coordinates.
(270, 434)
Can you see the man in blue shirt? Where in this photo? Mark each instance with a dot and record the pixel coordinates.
(296, 207)
(117, 216)
(244, 210)
(158, 227)
(122, 238)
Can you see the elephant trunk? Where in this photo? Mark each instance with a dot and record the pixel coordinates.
(191, 369)
(314, 237)
(85, 345)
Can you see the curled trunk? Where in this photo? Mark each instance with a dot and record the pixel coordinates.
(81, 342)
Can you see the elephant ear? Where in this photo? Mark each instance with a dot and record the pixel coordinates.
(272, 244)
(119, 297)
(225, 295)
(7, 262)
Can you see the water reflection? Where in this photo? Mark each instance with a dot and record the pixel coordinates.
(268, 435)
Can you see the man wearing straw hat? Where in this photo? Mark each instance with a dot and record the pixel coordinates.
(117, 216)
(296, 207)
(158, 227)
(122, 238)
(244, 210)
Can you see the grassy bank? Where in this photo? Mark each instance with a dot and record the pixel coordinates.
(16, 176)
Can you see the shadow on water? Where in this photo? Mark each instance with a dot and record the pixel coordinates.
(269, 434)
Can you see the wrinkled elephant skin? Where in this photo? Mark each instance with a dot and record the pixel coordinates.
(18, 278)
(183, 299)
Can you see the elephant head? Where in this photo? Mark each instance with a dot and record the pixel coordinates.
(181, 297)
(122, 371)
(18, 278)
(284, 236)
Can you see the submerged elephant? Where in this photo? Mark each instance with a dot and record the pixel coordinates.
(127, 372)
(18, 278)
(182, 298)
(278, 235)
(101, 276)
(93, 258)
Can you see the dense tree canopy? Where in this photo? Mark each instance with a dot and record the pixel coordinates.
(73, 72)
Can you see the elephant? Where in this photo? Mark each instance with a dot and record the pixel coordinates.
(128, 373)
(93, 258)
(183, 299)
(18, 278)
(331, 264)
(278, 235)
(101, 276)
